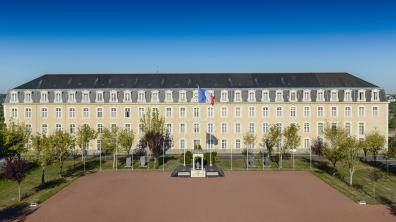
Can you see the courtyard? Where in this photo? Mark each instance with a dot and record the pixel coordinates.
(239, 196)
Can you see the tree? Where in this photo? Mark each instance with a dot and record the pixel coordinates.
(375, 175)
(43, 153)
(15, 138)
(16, 170)
(333, 151)
(62, 143)
(126, 139)
(375, 142)
(155, 137)
(85, 134)
(248, 140)
(292, 139)
(110, 143)
(273, 138)
(352, 149)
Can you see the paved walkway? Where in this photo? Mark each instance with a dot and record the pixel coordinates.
(239, 196)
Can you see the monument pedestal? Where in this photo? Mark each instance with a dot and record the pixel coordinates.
(198, 173)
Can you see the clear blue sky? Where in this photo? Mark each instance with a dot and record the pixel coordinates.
(67, 36)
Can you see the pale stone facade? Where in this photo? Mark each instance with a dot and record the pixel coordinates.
(235, 112)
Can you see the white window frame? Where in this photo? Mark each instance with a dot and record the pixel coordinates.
(348, 95)
(43, 96)
(375, 95)
(113, 96)
(71, 97)
(305, 93)
(168, 96)
(141, 96)
(252, 95)
(14, 97)
(265, 96)
(277, 97)
(99, 96)
(237, 96)
(58, 97)
(85, 96)
(27, 97)
(58, 112)
(127, 96)
(361, 91)
(224, 96)
(293, 92)
(154, 96)
(320, 98)
(182, 96)
(334, 92)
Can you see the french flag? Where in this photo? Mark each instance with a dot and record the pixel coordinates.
(205, 97)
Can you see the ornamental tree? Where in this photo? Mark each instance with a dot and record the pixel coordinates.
(375, 142)
(292, 138)
(85, 134)
(273, 138)
(44, 153)
(62, 143)
(16, 170)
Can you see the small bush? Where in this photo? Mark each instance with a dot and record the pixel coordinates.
(207, 158)
(188, 157)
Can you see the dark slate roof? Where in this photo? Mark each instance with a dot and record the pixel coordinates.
(193, 80)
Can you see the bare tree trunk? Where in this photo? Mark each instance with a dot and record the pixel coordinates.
(351, 172)
(19, 192)
(42, 176)
(280, 160)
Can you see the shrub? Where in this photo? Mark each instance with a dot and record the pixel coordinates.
(207, 158)
(188, 157)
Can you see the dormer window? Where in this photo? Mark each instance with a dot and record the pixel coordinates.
(154, 96)
(293, 96)
(127, 96)
(99, 97)
(72, 97)
(113, 96)
(224, 96)
(195, 96)
(375, 95)
(348, 95)
(44, 97)
(28, 97)
(14, 97)
(141, 96)
(361, 95)
(58, 97)
(182, 96)
(307, 96)
(168, 96)
(279, 96)
(237, 96)
(265, 96)
(252, 96)
(334, 95)
(320, 96)
(85, 96)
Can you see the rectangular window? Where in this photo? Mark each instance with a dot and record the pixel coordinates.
(224, 144)
(113, 97)
(58, 97)
(320, 129)
(99, 113)
(28, 97)
(182, 127)
(99, 96)
(320, 96)
(375, 111)
(320, 111)
(307, 111)
(293, 96)
(251, 127)
(224, 128)
(72, 128)
(348, 111)
(361, 129)
(238, 97)
(197, 143)
(127, 96)
(14, 113)
(154, 96)
(28, 128)
(348, 128)
(58, 113)
(168, 128)
(210, 112)
(113, 113)
(141, 112)
(58, 127)
(265, 111)
(361, 111)
(182, 112)
(252, 112)
(141, 97)
(196, 112)
(128, 127)
(306, 127)
(237, 144)
(196, 127)
(44, 129)
(279, 112)
(72, 113)
(252, 96)
(265, 96)
(265, 127)
(307, 96)
(238, 111)
(334, 111)
(44, 112)
(210, 128)
(28, 113)
(182, 96)
(292, 111)
(279, 96)
(127, 112)
(182, 144)
(168, 97)
(307, 144)
(85, 113)
(334, 96)
(99, 128)
(223, 112)
(168, 112)
(237, 128)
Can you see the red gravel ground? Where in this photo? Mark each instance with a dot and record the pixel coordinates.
(239, 196)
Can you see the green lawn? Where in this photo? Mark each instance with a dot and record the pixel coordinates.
(362, 189)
